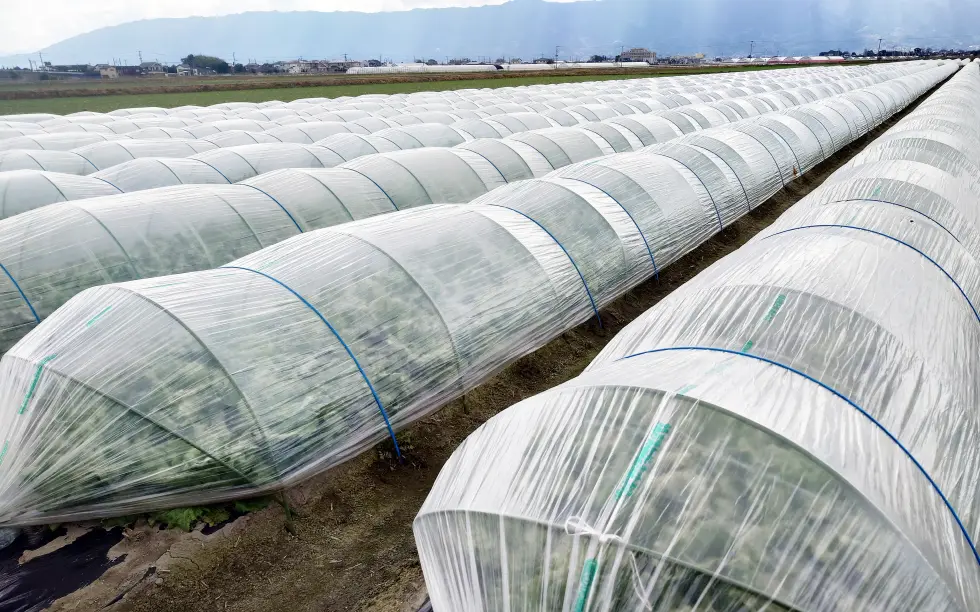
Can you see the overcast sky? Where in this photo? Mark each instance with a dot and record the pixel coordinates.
(29, 26)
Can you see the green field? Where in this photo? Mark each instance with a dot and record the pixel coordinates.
(105, 103)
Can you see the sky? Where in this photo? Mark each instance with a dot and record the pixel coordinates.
(27, 26)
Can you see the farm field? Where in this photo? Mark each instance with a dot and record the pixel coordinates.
(99, 96)
(314, 304)
(353, 546)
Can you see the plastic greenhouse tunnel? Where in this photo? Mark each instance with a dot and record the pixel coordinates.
(229, 382)
(793, 429)
(91, 242)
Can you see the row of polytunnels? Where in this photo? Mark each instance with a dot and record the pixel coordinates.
(789, 430)
(53, 252)
(793, 429)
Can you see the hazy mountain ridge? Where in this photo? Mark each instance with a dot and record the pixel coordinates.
(527, 28)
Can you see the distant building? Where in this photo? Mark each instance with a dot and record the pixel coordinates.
(185, 70)
(319, 66)
(296, 66)
(695, 59)
(152, 69)
(638, 54)
(338, 65)
(373, 63)
(544, 60)
(107, 72)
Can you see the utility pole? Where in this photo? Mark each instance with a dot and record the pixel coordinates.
(233, 61)
(140, 53)
(751, 48)
(41, 65)
(879, 49)
(557, 48)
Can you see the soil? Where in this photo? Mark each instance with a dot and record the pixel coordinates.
(346, 542)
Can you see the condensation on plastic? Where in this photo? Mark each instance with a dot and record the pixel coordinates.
(374, 184)
(793, 429)
(228, 382)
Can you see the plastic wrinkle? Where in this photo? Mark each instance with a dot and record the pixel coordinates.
(656, 272)
(350, 353)
(298, 228)
(909, 208)
(721, 226)
(840, 395)
(567, 254)
(902, 242)
(219, 172)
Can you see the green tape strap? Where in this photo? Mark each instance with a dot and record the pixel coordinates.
(685, 389)
(642, 461)
(98, 316)
(3, 452)
(780, 300)
(588, 576)
(37, 377)
(770, 315)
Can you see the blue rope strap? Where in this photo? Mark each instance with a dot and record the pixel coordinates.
(380, 188)
(902, 242)
(218, 171)
(298, 228)
(21, 292)
(843, 397)
(711, 197)
(377, 400)
(567, 254)
(656, 272)
(909, 208)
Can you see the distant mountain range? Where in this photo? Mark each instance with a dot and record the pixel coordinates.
(529, 28)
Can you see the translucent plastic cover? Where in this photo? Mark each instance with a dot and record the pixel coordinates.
(793, 429)
(291, 358)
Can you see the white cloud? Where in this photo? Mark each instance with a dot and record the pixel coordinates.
(27, 27)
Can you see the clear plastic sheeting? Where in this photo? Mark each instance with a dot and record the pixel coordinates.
(227, 382)
(156, 172)
(51, 161)
(239, 163)
(56, 142)
(13, 132)
(139, 235)
(235, 138)
(24, 190)
(308, 133)
(378, 184)
(107, 154)
(793, 429)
